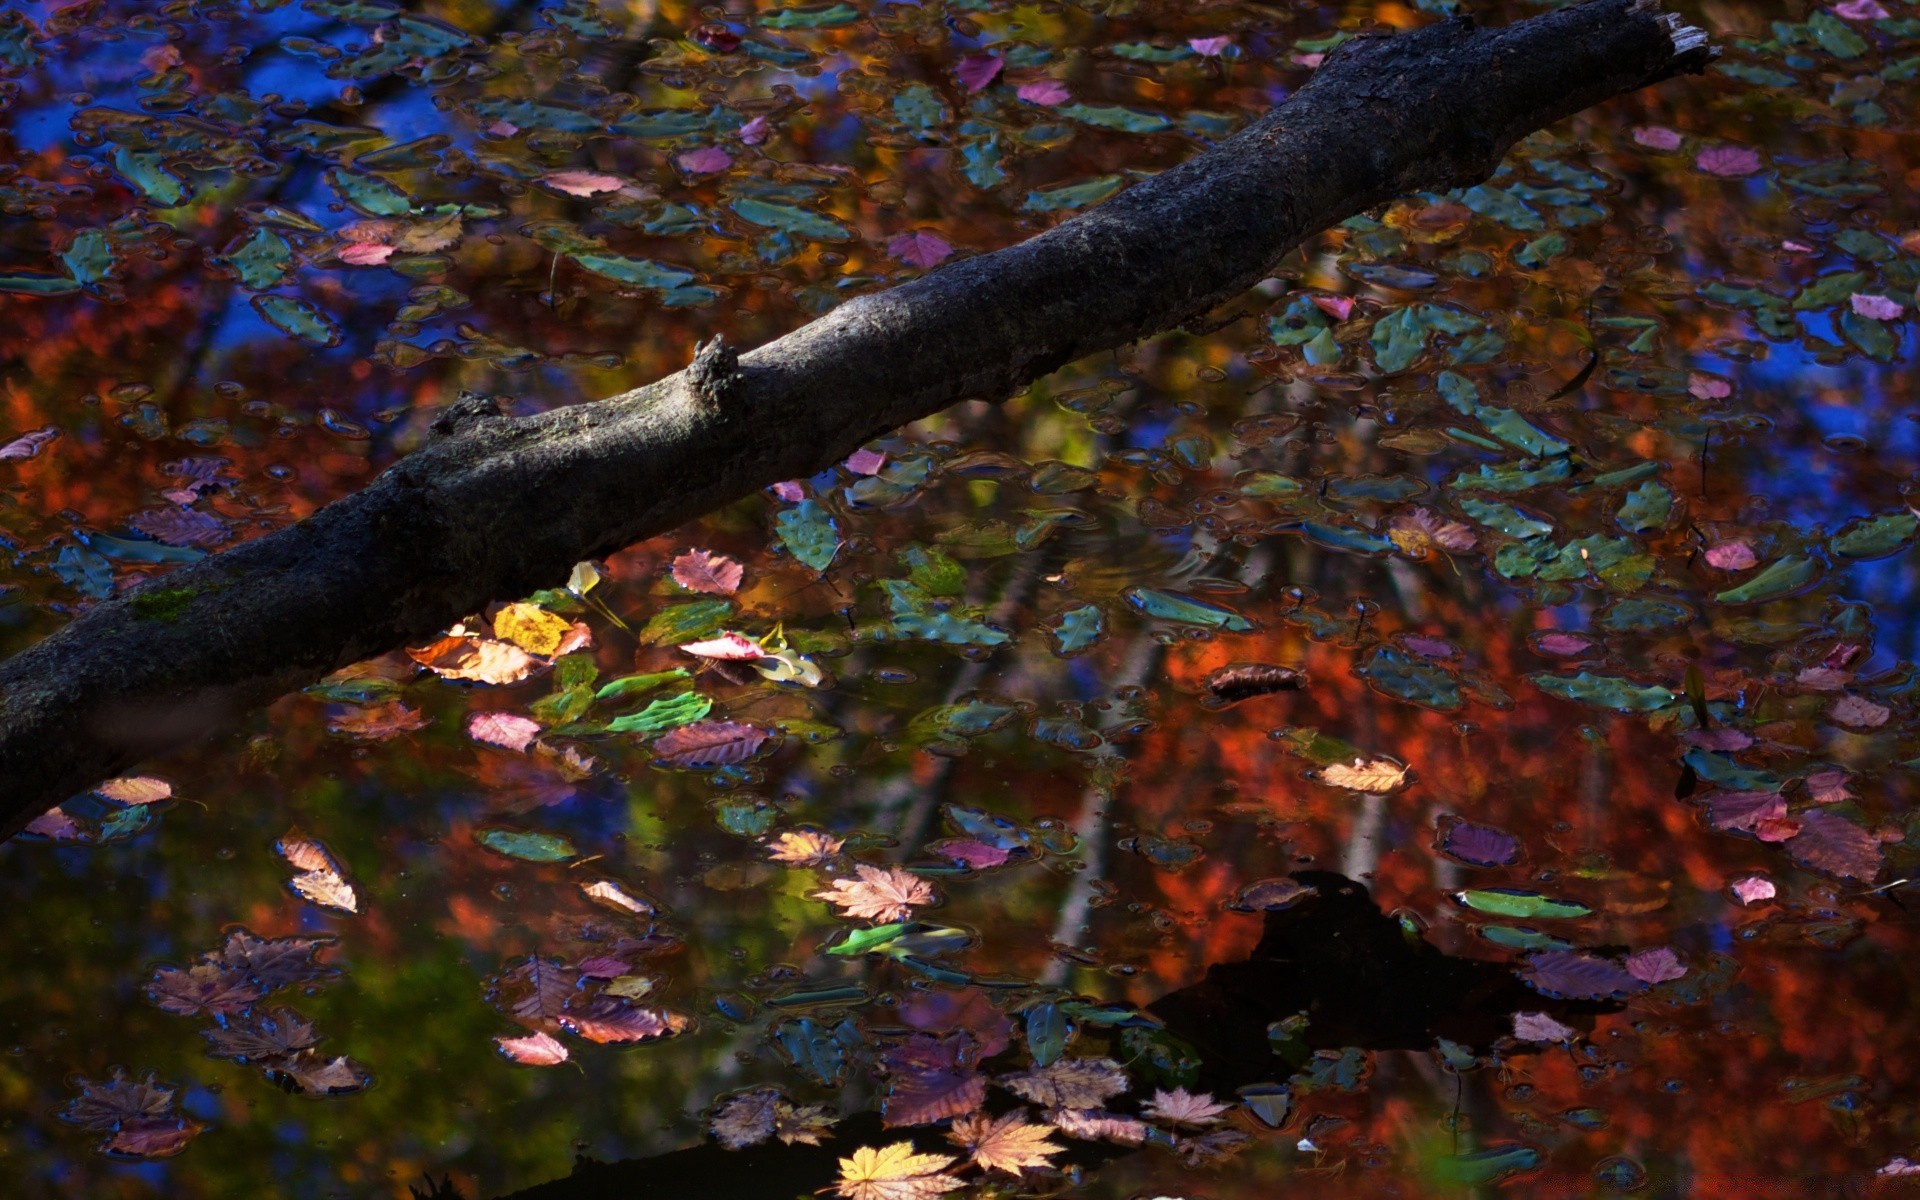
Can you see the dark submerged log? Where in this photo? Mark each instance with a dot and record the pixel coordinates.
(497, 506)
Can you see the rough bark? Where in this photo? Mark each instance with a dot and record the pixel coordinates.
(497, 506)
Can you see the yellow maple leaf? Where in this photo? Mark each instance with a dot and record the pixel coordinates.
(894, 1172)
(803, 847)
(1006, 1143)
(531, 628)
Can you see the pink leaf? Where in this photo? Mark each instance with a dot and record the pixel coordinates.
(920, 249)
(1828, 787)
(705, 571)
(1880, 308)
(535, 1050)
(971, 853)
(27, 444)
(728, 647)
(365, 254)
(604, 966)
(1822, 679)
(1310, 61)
(582, 183)
(755, 131)
(709, 744)
(1539, 1027)
(1706, 387)
(790, 491)
(1731, 556)
(1564, 645)
(1860, 712)
(1753, 889)
(976, 71)
(505, 730)
(1044, 91)
(1210, 47)
(136, 789)
(866, 462)
(705, 161)
(1656, 137)
(1861, 10)
(1337, 307)
(53, 823)
(1725, 740)
(1657, 965)
(1728, 161)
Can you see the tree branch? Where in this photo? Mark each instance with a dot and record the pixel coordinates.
(498, 506)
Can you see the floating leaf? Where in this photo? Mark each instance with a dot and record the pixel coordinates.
(707, 744)
(526, 844)
(535, 1050)
(506, 730)
(1006, 1143)
(531, 628)
(1573, 975)
(704, 571)
(1829, 842)
(298, 319)
(479, 660)
(878, 893)
(895, 1172)
(1069, 1083)
(1781, 578)
(1513, 902)
(809, 533)
(135, 789)
(1476, 845)
(1171, 606)
(679, 709)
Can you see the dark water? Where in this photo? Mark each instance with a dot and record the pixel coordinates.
(1577, 863)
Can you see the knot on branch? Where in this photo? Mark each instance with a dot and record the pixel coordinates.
(470, 409)
(714, 373)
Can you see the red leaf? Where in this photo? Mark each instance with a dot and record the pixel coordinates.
(534, 1050)
(705, 571)
(1831, 843)
(709, 744)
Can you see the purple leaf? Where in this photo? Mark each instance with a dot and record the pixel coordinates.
(1743, 811)
(1829, 842)
(976, 71)
(1572, 975)
(920, 249)
(1476, 845)
(932, 1078)
(709, 744)
(1657, 965)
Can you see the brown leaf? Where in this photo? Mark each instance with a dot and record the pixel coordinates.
(1007, 1143)
(879, 894)
(1069, 1083)
(479, 660)
(709, 744)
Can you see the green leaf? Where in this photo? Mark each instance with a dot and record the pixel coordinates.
(1073, 195)
(679, 623)
(809, 533)
(1875, 537)
(1647, 508)
(1115, 116)
(638, 272)
(1604, 691)
(633, 685)
(1171, 606)
(1077, 629)
(526, 844)
(1513, 902)
(262, 260)
(369, 194)
(790, 218)
(811, 17)
(298, 319)
(682, 708)
(1782, 577)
